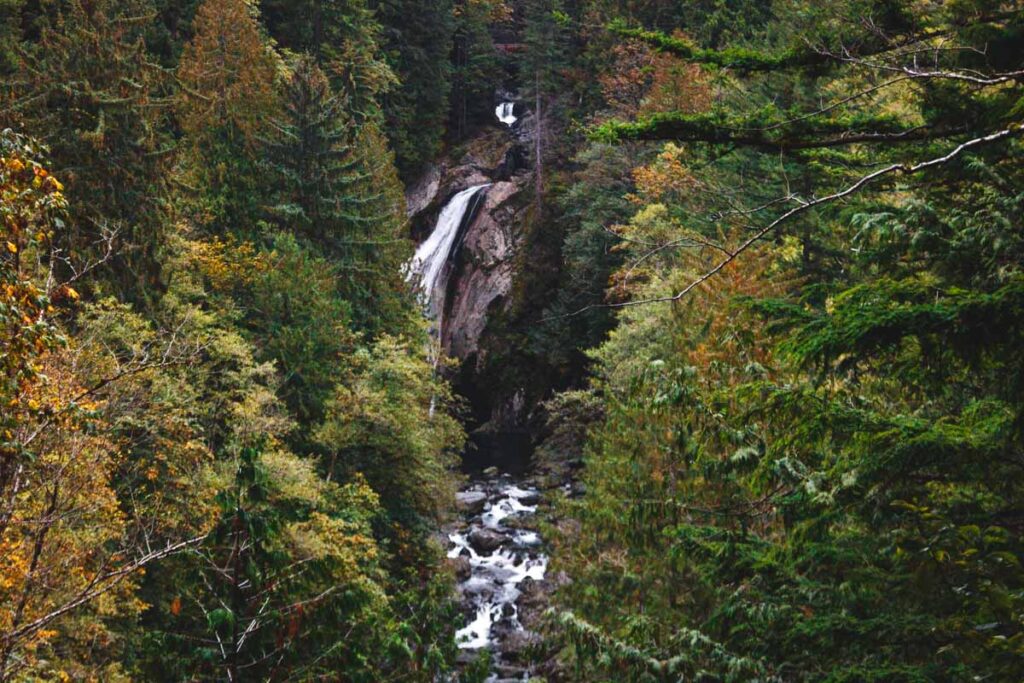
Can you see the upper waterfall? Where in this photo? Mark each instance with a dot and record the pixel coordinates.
(504, 112)
(429, 263)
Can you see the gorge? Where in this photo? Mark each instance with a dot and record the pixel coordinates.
(532, 341)
(495, 563)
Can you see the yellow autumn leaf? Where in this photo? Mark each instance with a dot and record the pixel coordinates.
(12, 247)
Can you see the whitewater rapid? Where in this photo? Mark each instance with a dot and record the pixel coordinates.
(498, 568)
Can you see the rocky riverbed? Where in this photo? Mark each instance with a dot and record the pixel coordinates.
(501, 568)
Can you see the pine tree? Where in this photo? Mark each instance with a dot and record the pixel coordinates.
(337, 193)
(228, 75)
(87, 89)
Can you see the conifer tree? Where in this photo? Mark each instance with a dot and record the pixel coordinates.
(87, 90)
(476, 69)
(343, 36)
(315, 160)
(417, 38)
(543, 61)
(227, 74)
(338, 190)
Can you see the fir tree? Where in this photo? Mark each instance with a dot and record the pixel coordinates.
(343, 36)
(337, 193)
(87, 89)
(417, 39)
(228, 75)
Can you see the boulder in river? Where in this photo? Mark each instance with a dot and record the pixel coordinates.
(462, 567)
(515, 644)
(487, 540)
(529, 497)
(471, 502)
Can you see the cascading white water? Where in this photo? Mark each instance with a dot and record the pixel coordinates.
(429, 263)
(504, 112)
(494, 585)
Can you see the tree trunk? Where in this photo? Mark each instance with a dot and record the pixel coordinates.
(538, 136)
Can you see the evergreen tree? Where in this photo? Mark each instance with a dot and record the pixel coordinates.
(337, 193)
(343, 36)
(544, 59)
(316, 162)
(823, 466)
(228, 76)
(10, 35)
(417, 40)
(287, 583)
(87, 89)
(477, 71)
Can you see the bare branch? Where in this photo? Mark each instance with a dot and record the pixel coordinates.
(804, 207)
(99, 585)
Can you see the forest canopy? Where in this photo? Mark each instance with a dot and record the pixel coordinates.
(767, 311)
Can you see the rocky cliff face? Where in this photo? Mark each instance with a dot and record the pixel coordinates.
(484, 270)
(487, 259)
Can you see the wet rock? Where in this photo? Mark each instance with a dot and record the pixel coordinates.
(533, 601)
(490, 472)
(504, 628)
(423, 192)
(471, 502)
(486, 267)
(476, 591)
(505, 575)
(508, 672)
(530, 498)
(487, 540)
(515, 644)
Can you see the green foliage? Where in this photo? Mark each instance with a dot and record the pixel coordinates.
(298, 320)
(228, 74)
(768, 129)
(808, 467)
(417, 40)
(595, 199)
(343, 36)
(389, 420)
(194, 480)
(477, 70)
(337, 191)
(289, 556)
(87, 90)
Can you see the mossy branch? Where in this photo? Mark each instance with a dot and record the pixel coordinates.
(743, 59)
(770, 129)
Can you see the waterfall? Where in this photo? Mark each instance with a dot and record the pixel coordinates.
(504, 113)
(430, 263)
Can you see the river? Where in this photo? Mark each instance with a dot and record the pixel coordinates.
(499, 557)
